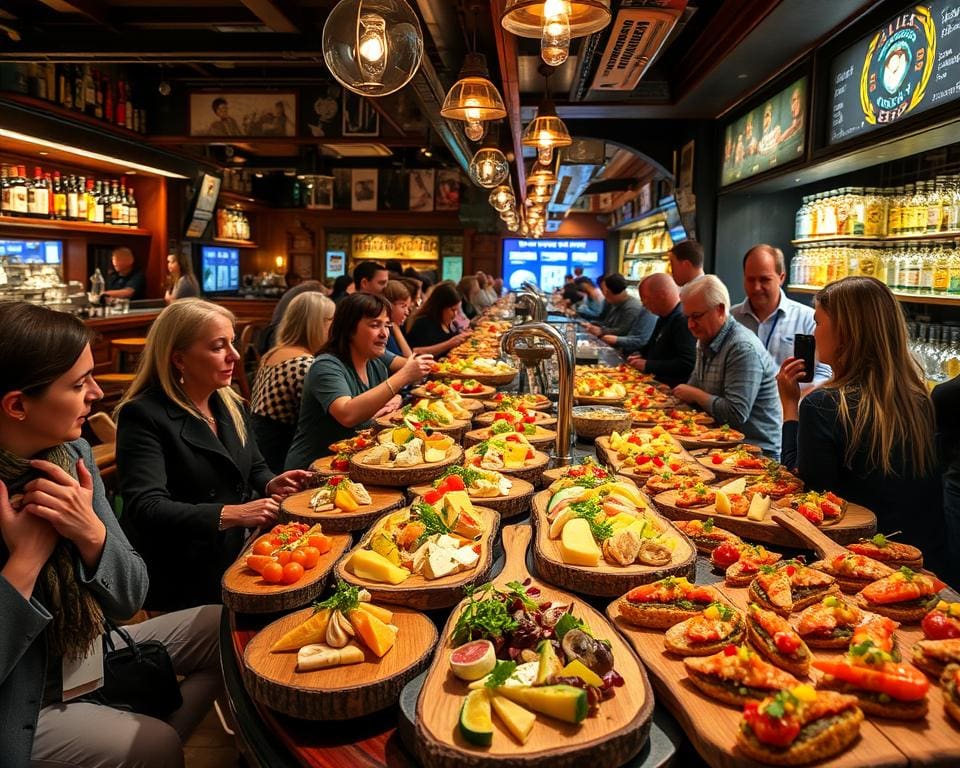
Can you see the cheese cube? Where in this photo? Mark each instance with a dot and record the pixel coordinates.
(515, 455)
(466, 558)
(577, 546)
(759, 506)
(439, 563)
(735, 486)
(456, 503)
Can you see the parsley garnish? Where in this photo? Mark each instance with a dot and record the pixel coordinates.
(467, 474)
(567, 622)
(501, 673)
(344, 598)
(778, 707)
(519, 591)
(708, 525)
(432, 521)
(590, 511)
(501, 427)
(907, 573)
(484, 616)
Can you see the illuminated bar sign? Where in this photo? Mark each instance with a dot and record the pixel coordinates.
(908, 65)
(768, 136)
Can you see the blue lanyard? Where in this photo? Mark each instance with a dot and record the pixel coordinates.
(773, 328)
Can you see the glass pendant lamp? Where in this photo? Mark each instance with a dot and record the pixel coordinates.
(372, 47)
(489, 167)
(502, 198)
(555, 23)
(473, 99)
(546, 132)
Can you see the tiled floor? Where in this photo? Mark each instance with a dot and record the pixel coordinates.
(210, 746)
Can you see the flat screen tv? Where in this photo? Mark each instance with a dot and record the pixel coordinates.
(545, 262)
(32, 251)
(203, 205)
(219, 269)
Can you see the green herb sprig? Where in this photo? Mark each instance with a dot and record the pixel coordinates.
(501, 673)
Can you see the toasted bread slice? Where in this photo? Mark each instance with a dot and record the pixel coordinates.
(933, 656)
(654, 616)
(841, 732)
(949, 681)
(877, 704)
(678, 641)
(736, 678)
(910, 612)
(762, 627)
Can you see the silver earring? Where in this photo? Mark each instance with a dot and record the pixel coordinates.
(181, 377)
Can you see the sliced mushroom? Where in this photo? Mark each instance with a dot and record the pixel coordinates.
(337, 635)
(622, 548)
(652, 553)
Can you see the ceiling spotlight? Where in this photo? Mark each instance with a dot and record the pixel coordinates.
(372, 47)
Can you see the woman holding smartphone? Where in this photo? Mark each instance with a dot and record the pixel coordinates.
(867, 434)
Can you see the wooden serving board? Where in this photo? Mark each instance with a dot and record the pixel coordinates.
(858, 522)
(616, 402)
(543, 439)
(455, 428)
(712, 726)
(605, 579)
(542, 419)
(610, 738)
(245, 591)
(692, 443)
(324, 467)
(532, 472)
(338, 693)
(297, 507)
(487, 379)
(401, 477)
(516, 502)
(543, 404)
(484, 393)
(722, 470)
(420, 592)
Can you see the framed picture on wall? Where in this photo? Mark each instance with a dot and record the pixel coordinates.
(363, 196)
(421, 189)
(237, 113)
(360, 118)
(448, 190)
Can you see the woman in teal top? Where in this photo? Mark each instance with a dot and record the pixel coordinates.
(353, 379)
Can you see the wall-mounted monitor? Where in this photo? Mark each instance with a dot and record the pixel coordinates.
(905, 66)
(204, 203)
(219, 269)
(48, 252)
(545, 263)
(771, 135)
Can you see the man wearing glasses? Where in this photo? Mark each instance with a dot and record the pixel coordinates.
(734, 379)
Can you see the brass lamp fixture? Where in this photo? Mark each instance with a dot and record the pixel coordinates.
(502, 198)
(555, 23)
(541, 175)
(372, 47)
(473, 99)
(546, 131)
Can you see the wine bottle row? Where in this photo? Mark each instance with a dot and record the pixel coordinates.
(50, 195)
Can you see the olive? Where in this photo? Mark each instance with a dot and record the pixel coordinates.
(592, 653)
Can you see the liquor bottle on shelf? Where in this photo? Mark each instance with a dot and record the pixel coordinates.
(106, 203)
(18, 192)
(941, 270)
(4, 191)
(79, 102)
(89, 92)
(91, 201)
(128, 117)
(73, 199)
(121, 106)
(82, 201)
(134, 212)
(59, 197)
(124, 204)
(31, 185)
(99, 210)
(97, 94)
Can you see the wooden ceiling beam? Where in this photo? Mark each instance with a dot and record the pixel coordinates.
(92, 9)
(275, 14)
(510, 77)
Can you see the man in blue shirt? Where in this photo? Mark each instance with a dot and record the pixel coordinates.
(734, 379)
(768, 312)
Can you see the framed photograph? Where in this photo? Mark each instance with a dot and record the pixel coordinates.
(230, 113)
(359, 116)
(686, 166)
(421, 189)
(448, 190)
(319, 192)
(363, 189)
(320, 112)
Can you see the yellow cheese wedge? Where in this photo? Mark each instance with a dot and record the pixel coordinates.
(577, 546)
(371, 565)
(759, 506)
(515, 455)
(455, 503)
(735, 486)
(723, 503)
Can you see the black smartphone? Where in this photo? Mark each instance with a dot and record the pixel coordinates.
(805, 347)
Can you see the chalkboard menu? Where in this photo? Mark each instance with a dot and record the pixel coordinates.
(909, 64)
(768, 136)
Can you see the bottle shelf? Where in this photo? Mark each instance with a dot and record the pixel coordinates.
(21, 222)
(237, 243)
(847, 239)
(903, 296)
(649, 256)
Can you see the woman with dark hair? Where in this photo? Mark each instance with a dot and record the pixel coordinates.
(181, 282)
(433, 331)
(353, 379)
(192, 477)
(342, 286)
(469, 290)
(66, 567)
(398, 295)
(868, 433)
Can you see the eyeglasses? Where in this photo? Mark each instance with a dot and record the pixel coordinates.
(698, 316)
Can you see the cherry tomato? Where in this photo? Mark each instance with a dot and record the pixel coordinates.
(717, 458)
(320, 543)
(263, 547)
(938, 626)
(272, 573)
(335, 480)
(432, 497)
(730, 650)
(786, 642)
(298, 556)
(283, 556)
(341, 465)
(311, 556)
(725, 554)
(779, 732)
(292, 573)
(453, 483)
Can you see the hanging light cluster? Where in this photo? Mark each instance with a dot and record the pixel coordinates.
(372, 47)
(555, 23)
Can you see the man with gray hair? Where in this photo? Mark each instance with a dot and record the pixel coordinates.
(734, 379)
(768, 312)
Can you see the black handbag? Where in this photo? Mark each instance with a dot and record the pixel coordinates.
(137, 677)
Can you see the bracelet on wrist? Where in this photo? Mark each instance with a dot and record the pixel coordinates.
(390, 387)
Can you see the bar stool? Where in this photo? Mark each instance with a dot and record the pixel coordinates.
(119, 379)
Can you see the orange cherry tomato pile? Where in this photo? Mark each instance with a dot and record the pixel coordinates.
(285, 554)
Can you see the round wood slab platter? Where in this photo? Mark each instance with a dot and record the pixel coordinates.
(543, 439)
(532, 472)
(542, 419)
(467, 403)
(516, 502)
(692, 443)
(337, 693)
(617, 402)
(324, 467)
(542, 404)
(420, 592)
(610, 738)
(245, 591)
(401, 477)
(555, 473)
(482, 394)
(857, 522)
(455, 428)
(604, 579)
(487, 379)
(297, 507)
